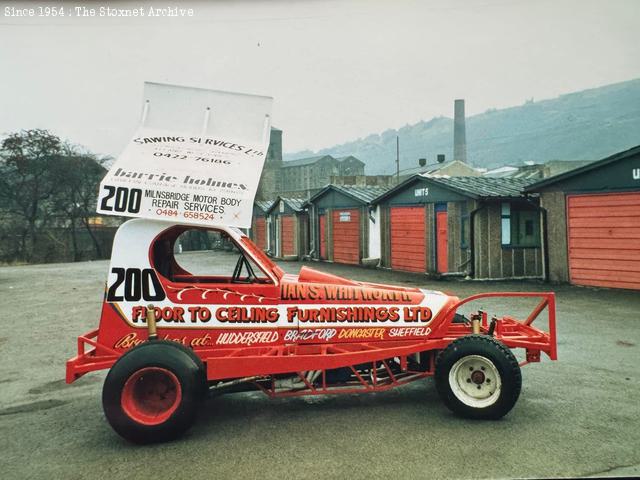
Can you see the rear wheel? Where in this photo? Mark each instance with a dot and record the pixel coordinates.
(152, 393)
(478, 377)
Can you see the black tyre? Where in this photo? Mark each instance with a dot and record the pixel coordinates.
(478, 377)
(153, 392)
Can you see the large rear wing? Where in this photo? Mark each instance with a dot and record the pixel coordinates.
(196, 158)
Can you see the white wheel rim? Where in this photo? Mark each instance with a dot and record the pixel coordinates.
(475, 381)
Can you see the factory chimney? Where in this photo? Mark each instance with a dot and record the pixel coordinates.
(459, 135)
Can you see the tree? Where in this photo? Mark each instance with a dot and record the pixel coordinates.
(77, 175)
(48, 191)
(26, 183)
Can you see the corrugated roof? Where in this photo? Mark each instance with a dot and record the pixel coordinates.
(531, 172)
(537, 171)
(434, 168)
(364, 193)
(528, 175)
(303, 161)
(295, 203)
(504, 171)
(484, 187)
(426, 169)
(263, 205)
(473, 187)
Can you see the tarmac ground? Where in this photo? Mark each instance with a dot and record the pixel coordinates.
(575, 417)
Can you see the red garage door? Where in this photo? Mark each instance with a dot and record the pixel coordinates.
(604, 240)
(286, 234)
(346, 236)
(260, 233)
(408, 239)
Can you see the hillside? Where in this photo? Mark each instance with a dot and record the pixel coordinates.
(585, 125)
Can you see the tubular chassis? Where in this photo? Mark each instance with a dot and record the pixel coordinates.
(260, 365)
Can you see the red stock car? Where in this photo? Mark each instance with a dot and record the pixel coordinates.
(169, 336)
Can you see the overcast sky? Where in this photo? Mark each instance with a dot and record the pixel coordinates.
(338, 70)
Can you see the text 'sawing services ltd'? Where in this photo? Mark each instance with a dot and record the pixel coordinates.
(196, 158)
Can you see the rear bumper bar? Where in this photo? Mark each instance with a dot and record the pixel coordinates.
(96, 357)
(513, 332)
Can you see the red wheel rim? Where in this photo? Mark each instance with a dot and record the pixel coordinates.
(151, 395)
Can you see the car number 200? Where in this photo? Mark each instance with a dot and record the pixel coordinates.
(121, 199)
(138, 284)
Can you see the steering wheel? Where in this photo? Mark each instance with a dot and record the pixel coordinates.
(235, 278)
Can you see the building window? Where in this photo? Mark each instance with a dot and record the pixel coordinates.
(505, 213)
(520, 225)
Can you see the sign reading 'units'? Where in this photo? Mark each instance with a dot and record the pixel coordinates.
(208, 177)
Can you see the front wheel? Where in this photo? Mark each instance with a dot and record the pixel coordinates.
(152, 393)
(478, 377)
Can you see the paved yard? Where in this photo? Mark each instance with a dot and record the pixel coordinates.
(575, 417)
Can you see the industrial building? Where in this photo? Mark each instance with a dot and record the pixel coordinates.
(303, 177)
(306, 176)
(270, 179)
(593, 222)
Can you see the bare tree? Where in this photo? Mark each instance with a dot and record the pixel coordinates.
(46, 187)
(26, 183)
(78, 176)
